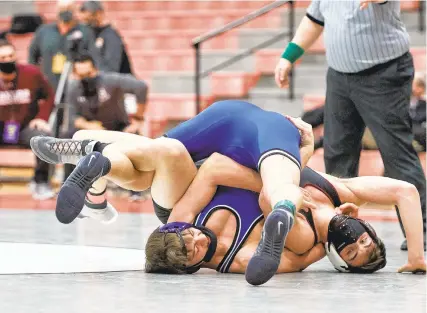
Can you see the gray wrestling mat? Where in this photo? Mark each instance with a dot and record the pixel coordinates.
(318, 289)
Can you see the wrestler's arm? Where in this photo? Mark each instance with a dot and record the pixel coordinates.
(289, 263)
(292, 262)
(383, 190)
(215, 171)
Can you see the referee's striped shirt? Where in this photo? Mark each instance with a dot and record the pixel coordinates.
(355, 39)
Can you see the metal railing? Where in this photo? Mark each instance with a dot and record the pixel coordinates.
(197, 42)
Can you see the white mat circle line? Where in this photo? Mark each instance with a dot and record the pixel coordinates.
(32, 258)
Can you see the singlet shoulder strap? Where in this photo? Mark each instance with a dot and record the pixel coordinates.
(202, 219)
(240, 235)
(310, 177)
(309, 216)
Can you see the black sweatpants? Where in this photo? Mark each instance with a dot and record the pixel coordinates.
(378, 98)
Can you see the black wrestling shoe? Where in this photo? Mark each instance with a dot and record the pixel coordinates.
(266, 260)
(404, 246)
(71, 197)
(57, 151)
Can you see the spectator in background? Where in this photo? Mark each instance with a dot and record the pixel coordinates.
(96, 99)
(417, 111)
(108, 42)
(110, 47)
(368, 84)
(51, 44)
(26, 101)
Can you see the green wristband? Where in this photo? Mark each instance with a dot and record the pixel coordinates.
(292, 52)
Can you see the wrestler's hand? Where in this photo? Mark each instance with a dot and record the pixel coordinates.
(94, 125)
(349, 209)
(40, 124)
(307, 139)
(264, 203)
(307, 202)
(134, 128)
(414, 267)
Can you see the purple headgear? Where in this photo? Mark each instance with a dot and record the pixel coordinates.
(178, 227)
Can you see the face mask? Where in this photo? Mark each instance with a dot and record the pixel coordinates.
(7, 67)
(343, 231)
(66, 16)
(89, 86)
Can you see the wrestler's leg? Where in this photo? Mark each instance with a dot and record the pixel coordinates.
(134, 157)
(167, 165)
(279, 166)
(108, 136)
(169, 171)
(162, 164)
(122, 142)
(281, 177)
(70, 151)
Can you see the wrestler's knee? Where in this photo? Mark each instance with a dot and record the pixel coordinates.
(171, 150)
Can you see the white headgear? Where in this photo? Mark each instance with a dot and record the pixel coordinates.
(335, 258)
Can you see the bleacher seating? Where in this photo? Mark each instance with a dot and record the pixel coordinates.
(16, 164)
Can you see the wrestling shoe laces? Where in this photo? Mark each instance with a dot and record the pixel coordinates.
(72, 148)
(67, 147)
(55, 151)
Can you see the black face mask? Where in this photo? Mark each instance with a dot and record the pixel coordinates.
(343, 231)
(89, 86)
(7, 67)
(66, 16)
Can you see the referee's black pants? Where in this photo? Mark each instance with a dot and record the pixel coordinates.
(379, 99)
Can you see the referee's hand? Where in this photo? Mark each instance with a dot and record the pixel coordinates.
(282, 71)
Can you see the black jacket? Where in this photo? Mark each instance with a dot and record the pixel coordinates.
(112, 51)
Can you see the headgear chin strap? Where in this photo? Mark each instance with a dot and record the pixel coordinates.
(335, 258)
(178, 227)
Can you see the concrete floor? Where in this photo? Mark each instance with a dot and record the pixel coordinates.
(318, 289)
